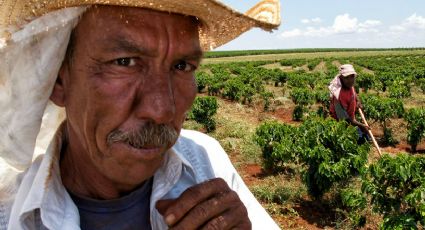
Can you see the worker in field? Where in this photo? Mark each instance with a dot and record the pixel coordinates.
(100, 88)
(344, 100)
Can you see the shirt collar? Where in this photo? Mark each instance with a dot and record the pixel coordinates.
(47, 191)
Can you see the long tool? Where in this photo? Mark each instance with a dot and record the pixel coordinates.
(370, 132)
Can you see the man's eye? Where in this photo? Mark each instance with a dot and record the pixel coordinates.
(184, 66)
(128, 62)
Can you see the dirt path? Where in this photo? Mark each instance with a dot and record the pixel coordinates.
(368, 71)
(321, 67)
(277, 65)
(336, 63)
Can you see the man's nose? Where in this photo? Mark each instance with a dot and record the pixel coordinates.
(155, 99)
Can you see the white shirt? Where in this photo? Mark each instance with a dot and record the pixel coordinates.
(42, 201)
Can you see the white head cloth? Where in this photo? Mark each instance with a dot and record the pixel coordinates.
(335, 85)
(28, 70)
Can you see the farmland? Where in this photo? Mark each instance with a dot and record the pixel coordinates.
(270, 113)
(312, 55)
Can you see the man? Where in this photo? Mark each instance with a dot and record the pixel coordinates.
(125, 77)
(344, 101)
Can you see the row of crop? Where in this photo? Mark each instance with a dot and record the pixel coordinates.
(243, 81)
(327, 150)
(376, 108)
(397, 74)
(328, 153)
(382, 71)
(239, 84)
(233, 53)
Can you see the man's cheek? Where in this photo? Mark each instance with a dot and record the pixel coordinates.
(114, 88)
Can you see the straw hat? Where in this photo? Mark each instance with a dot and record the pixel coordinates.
(347, 70)
(221, 24)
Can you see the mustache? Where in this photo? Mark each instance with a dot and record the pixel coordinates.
(150, 134)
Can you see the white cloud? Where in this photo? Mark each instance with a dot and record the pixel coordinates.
(318, 32)
(316, 20)
(370, 24)
(414, 22)
(348, 31)
(343, 24)
(291, 33)
(397, 28)
(305, 21)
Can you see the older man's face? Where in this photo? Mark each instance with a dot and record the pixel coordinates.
(131, 68)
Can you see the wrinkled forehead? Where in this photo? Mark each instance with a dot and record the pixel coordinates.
(104, 19)
(136, 14)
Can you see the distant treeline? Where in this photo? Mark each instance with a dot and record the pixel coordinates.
(217, 54)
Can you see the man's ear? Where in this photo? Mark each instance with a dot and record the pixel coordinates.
(58, 93)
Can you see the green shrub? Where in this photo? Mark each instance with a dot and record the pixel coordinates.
(277, 142)
(323, 98)
(279, 77)
(421, 84)
(326, 149)
(415, 126)
(396, 186)
(267, 96)
(389, 137)
(298, 113)
(354, 204)
(202, 80)
(381, 109)
(330, 154)
(399, 89)
(232, 89)
(302, 80)
(247, 93)
(366, 81)
(302, 97)
(313, 63)
(203, 110)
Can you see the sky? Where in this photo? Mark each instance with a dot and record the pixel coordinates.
(338, 24)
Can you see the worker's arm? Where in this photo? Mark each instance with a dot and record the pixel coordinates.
(362, 126)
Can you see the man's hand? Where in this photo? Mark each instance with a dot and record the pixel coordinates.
(209, 205)
(365, 128)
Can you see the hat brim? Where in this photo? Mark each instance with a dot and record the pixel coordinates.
(348, 74)
(220, 23)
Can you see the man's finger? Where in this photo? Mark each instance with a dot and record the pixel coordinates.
(163, 205)
(226, 221)
(192, 197)
(209, 209)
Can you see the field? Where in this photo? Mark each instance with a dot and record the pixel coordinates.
(312, 55)
(255, 91)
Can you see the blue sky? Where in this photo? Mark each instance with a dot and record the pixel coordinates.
(338, 24)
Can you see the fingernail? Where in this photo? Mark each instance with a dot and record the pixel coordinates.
(170, 219)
